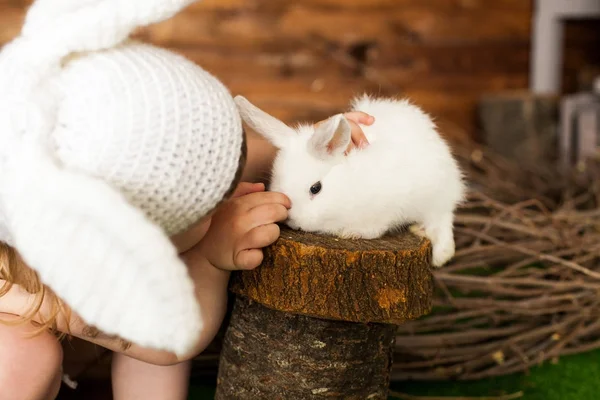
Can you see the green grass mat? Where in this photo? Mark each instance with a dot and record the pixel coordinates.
(573, 378)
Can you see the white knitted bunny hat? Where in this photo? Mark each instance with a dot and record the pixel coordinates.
(107, 147)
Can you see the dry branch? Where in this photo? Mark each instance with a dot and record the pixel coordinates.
(524, 286)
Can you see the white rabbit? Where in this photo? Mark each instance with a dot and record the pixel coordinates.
(406, 176)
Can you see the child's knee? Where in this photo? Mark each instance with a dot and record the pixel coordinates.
(30, 367)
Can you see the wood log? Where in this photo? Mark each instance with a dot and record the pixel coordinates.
(385, 280)
(318, 317)
(271, 354)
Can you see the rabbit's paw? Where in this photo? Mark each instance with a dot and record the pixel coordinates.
(442, 252)
(439, 231)
(367, 233)
(418, 230)
(349, 235)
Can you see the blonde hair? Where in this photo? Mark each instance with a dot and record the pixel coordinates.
(14, 271)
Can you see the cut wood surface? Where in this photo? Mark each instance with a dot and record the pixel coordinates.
(385, 280)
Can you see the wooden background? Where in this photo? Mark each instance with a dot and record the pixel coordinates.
(304, 59)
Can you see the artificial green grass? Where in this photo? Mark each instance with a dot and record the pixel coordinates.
(574, 377)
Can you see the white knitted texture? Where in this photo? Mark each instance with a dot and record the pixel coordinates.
(101, 255)
(153, 124)
(103, 156)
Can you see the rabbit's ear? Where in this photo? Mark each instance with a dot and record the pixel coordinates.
(331, 138)
(118, 271)
(274, 130)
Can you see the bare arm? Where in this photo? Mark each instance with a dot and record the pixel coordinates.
(261, 154)
(211, 292)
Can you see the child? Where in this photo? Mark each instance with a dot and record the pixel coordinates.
(113, 156)
(121, 211)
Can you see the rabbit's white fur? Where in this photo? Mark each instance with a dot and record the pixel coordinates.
(407, 175)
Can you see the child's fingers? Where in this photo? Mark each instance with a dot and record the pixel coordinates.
(266, 214)
(245, 188)
(358, 136)
(248, 259)
(256, 239)
(360, 117)
(257, 199)
(260, 237)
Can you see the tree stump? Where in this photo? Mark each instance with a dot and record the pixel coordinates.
(318, 318)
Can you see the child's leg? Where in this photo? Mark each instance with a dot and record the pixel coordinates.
(30, 367)
(133, 379)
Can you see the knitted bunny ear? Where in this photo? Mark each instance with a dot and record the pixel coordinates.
(87, 25)
(101, 255)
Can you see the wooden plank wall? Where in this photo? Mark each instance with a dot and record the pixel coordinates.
(304, 59)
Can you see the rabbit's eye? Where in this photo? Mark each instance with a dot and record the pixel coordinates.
(316, 188)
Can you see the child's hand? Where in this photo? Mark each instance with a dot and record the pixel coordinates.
(358, 136)
(242, 226)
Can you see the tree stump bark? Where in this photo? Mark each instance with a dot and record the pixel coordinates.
(318, 318)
